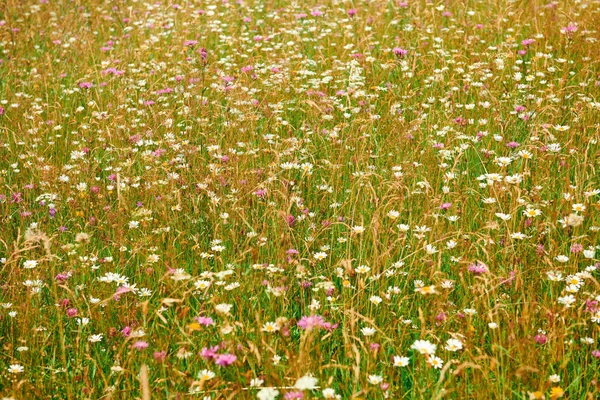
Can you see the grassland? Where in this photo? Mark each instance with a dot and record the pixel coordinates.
(298, 199)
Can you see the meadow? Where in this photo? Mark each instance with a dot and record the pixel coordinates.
(294, 199)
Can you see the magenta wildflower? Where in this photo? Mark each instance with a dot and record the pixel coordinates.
(478, 268)
(203, 53)
(140, 345)
(540, 338)
(71, 312)
(576, 248)
(509, 280)
(122, 290)
(126, 331)
(206, 321)
(591, 305)
(160, 356)
(399, 51)
(224, 360)
(291, 220)
(209, 352)
(312, 321)
(328, 326)
(305, 284)
(571, 27)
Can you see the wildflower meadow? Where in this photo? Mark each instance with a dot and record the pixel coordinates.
(299, 199)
